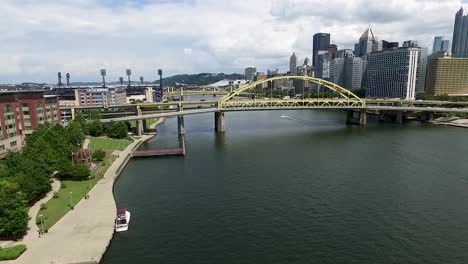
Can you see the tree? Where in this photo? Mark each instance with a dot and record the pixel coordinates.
(83, 123)
(99, 155)
(117, 130)
(13, 211)
(96, 129)
(94, 114)
(30, 175)
(75, 172)
(75, 134)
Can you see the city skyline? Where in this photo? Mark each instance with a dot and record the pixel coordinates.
(81, 38)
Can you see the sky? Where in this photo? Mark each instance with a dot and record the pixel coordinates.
(42, 37)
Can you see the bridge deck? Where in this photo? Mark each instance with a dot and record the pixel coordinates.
(159, 152)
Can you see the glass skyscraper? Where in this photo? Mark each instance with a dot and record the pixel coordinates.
(460, 35)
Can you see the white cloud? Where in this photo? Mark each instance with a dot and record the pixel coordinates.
(40, 38)
(188, 51)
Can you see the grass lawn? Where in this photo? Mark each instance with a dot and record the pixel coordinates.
(109, 144)
(56, 208)
(12, 252)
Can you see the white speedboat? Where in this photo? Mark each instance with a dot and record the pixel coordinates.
(122, 220)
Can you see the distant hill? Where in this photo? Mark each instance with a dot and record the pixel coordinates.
(189, 79)
(200, 79)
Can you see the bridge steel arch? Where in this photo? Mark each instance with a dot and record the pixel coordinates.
(348, 99)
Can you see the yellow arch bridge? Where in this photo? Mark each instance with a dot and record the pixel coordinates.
(269, 94)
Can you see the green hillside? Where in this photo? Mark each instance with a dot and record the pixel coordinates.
(200, 79)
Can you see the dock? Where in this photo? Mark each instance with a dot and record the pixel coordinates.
(159, 152)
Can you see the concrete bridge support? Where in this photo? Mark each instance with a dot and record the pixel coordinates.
(428, 116)
(219, 122)
(399, 117)
(356, 117)
(139, 123)
(180, 125)
(180, 120)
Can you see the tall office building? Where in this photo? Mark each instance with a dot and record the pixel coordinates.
(389, 45)
(321, 41)
(437, 45)
(344, 53)
(332, 48)
(337, 71)
(250, 73)
(393, 73)
(353, 73)
(447, 75)
(445, 46)
(368, 43)
(293, 64)
(410, 44)
(323, 64)
(460, 35)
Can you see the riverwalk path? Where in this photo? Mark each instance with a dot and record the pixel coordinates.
(83, 234)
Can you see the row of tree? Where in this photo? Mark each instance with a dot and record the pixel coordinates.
(95, 128)
(25, 176)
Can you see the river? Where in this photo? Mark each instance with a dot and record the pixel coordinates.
(297, 187)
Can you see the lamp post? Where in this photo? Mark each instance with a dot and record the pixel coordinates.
(42, 223)
(71, 200)
(161, 93)
(128, 72)
(103, 74)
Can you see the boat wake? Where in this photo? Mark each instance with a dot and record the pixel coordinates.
(302, 121)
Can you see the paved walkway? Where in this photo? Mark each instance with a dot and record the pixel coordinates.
(83, 234)
(86, 143)
(32, 234)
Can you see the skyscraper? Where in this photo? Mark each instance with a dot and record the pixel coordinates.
(460, 35)
(323, 64)
(344, 53)
(394, 73)
(353, 73)
(389, 45)
(447, 75)
(293, 64)
(437, 46)
(321, 41)
(250, 73)
(368, 43)
(440, 45)
(445, 45)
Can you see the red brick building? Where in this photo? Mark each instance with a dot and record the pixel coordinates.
(21, 113)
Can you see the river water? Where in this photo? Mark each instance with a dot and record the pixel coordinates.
(297, 187)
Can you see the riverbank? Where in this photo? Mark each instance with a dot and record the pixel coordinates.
(84, 234)
(451, 121)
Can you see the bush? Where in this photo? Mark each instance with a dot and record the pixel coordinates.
(12, 252)
(43, 206)
(75, 172)
(99, 155)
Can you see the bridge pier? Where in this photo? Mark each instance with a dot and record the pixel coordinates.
(139, 123)
(180, 120)
(356, 117)
(180, 125)
(399, 118)
(428, 116)
(219, 122)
